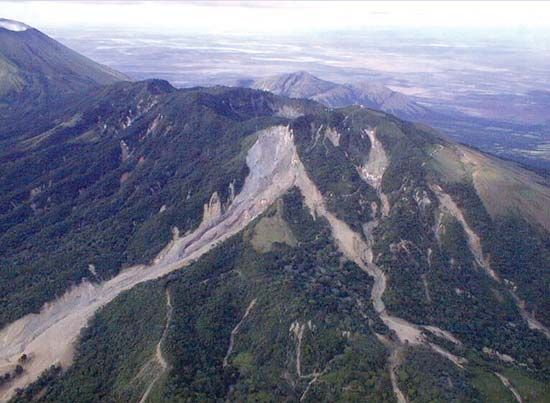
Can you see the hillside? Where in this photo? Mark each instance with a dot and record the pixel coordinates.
(206, 244)
(285, 251)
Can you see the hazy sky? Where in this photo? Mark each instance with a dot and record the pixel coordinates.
(275, 17)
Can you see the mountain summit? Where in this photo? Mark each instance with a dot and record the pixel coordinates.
(369, 94)
(300, 84)
(35, 68)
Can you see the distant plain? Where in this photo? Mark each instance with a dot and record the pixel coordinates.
(497, 88)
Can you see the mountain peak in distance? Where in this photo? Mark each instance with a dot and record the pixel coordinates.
(375, 95)
(37, 69)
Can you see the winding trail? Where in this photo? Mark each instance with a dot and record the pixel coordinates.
(532, 322)
(394, 364)
(314, 378)
(509, 386)
(474, 242)
(298, 330)
(235, 331)
(159, 357)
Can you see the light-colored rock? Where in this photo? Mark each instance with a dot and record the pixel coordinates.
(49, 336)
(124, 151)
(213, 209)
(333, 136)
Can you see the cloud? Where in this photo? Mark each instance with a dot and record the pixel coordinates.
(274, 17)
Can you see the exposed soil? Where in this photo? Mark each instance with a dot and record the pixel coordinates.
(357, 250)
(271, 230)
(449, 206)
(236, 330)
(508, 385)
(49, 336)
(274, 168)
(158, 351)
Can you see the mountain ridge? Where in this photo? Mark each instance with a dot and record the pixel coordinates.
(223, 243)
(373, 95)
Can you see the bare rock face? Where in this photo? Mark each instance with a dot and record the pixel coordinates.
(213, 209)
(377, 162)
(49, 335)
(124, 151)
(333, 136)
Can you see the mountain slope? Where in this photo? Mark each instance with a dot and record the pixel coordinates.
(127, 150)
(36, 68)
(511, 141)
(308, 253)
(372, 95)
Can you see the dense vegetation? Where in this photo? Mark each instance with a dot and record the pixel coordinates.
(519, 250)
(440, 380)
(437, 280)
(333, 168)
(101, 186)
(90, 191)
(307, 286)
(310, 286)
(113, 350)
